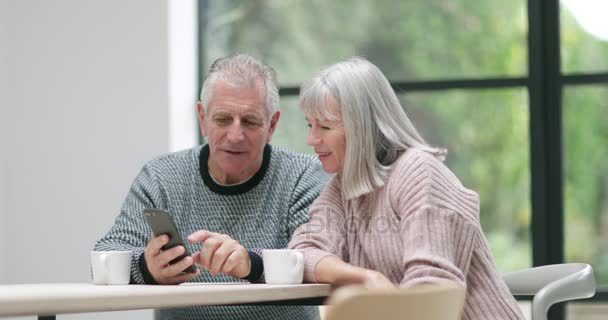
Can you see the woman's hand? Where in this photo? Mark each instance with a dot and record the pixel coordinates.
(335, 271)
(375, 279)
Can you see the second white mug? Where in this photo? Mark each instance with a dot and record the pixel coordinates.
(283, 266)
(111, 267)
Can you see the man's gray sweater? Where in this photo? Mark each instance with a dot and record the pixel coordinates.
(260, 213)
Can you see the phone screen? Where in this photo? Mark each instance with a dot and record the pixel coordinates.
(161, 222)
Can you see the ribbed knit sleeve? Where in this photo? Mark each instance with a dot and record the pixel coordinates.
(441, 237)
(324, 234)
(437, 246)
(438, 224)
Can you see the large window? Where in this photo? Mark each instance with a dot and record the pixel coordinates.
(482, 78)
(483, 126)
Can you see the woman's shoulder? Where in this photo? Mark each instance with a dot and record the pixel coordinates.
(419, 177)
(415, 160)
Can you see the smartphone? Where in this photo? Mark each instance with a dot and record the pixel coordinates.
(161, 222)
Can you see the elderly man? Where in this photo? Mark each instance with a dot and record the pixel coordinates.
(235, 195)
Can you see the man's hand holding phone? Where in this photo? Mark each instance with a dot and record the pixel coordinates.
(221, 254)
(169, 262)
(158, 260)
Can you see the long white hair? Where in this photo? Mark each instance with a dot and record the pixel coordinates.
(377, 128)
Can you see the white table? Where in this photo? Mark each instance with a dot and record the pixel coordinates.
(47, 300)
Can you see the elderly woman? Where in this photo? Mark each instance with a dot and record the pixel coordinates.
(393, 214)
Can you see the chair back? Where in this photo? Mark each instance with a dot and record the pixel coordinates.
(436, 302)
(551, 284)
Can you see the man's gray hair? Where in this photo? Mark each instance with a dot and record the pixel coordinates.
(242, 70)
(377, 128)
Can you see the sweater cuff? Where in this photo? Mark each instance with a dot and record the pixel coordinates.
(311, 259)
(257, 268)
(143, 268)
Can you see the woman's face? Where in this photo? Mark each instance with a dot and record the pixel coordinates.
(328, 138)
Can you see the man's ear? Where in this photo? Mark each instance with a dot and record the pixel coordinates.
(201, 118)
(273, 124)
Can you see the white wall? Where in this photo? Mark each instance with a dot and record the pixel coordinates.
(5, 101)
(90, 106)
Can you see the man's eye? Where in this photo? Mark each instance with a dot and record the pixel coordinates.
(222, 120)
(251, 123)
(325, 127)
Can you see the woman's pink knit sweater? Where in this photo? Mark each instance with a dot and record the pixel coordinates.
(421, 227)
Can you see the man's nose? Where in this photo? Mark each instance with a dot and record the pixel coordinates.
(235, 133)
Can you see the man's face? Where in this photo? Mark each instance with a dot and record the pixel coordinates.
(237, 129)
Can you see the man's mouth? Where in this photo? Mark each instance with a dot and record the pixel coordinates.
(234, 152)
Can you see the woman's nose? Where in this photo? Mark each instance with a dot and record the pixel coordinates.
(312, 140)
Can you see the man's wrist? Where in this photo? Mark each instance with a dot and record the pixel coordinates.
(145, 272)
(256, 267)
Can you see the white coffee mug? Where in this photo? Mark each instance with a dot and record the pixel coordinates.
(111, 267)
(283, 266)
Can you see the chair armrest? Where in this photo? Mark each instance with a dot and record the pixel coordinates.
(530, 281)
(551, 284)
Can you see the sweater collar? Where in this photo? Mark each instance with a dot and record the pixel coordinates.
(233, 189)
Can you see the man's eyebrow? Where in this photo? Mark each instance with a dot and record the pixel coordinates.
(255, 116)
(222, 114)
